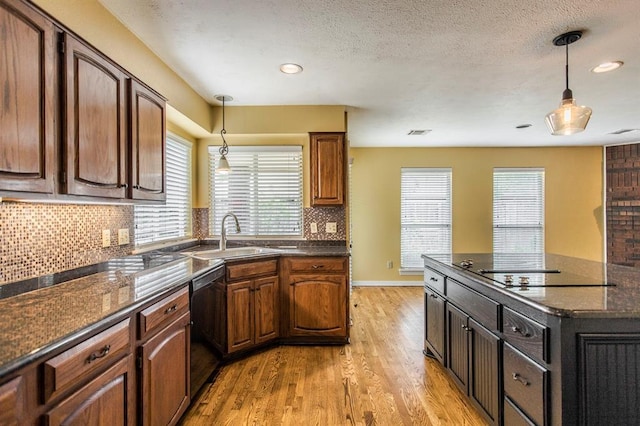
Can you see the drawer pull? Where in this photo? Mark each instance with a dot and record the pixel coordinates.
(171, 309)
(465, 328)
(519, 378)
(520, 332)
(433, 296)
(433, 279)
(316, 266)
(100, 354)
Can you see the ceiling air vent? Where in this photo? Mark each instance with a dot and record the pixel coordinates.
(621, 131)
(418, 132)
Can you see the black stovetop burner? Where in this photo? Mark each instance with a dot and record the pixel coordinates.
(528, 270)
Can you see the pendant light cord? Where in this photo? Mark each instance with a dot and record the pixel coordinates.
(224, 149)
(566, 73)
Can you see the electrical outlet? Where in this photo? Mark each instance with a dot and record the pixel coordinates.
(106, 238)
(389, 264)
(331, 227)
(123, 236)
(314, 228)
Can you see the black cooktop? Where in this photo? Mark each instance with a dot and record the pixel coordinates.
(530, 270)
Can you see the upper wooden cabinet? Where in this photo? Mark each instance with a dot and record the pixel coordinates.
(27, 134)
(327, 169)
(95, 136)
(147, 144)
(72, 121)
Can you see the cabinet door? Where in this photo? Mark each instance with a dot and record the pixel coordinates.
(327, 169)
(458, 346)
(435, 320)
(484, 353)
(95, 139)
(239, 316)
(12, 402)
(107, 400)
(317, 305)
(147, 144)
(267, 314)
(27, 72)
(165, 374)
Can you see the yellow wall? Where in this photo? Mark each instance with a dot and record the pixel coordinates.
(91, 21)
(267, 125)
(573, 200)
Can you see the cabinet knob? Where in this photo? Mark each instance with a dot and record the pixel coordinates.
(171, 309)
(100, 354)
(518, 378)
(520, 332)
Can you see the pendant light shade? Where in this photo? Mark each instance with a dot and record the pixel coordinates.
(568, 118)
(223, 163)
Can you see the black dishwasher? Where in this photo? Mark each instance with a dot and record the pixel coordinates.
(205, 326)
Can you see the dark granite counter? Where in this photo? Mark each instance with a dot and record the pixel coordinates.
(580, 288)
(37, 322)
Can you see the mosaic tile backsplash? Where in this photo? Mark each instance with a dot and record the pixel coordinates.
(39, 239)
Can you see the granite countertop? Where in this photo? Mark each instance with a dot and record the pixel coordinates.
(37, 322)
(584, 288)
(38, 316)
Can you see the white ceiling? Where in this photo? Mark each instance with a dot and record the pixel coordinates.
(469, 70)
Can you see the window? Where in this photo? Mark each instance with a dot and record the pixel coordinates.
(264, 190)
(425, 198)
(518, 211)
(172, 220)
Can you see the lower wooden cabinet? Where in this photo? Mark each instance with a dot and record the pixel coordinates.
(164, 363)
(12, 403)
(109, 399)
(252, 312)
(473, 356)
(434, 307)
(317, 297)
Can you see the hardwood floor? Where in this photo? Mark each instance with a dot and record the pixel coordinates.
(381, 378)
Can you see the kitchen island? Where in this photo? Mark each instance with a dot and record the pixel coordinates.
(537, 339)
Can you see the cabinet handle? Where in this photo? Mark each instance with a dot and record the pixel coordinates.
(100, 354)
(124, 185)
(433, 296)
(136, 186)
(316, 266)
(520, 332)
(519, 378)
(465, 328)
(171, 309)
(433, 279)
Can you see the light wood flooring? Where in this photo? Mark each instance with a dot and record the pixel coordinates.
(381, 378)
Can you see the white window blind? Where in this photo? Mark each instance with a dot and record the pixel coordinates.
(518, 211)
(264, 190)
(172, 220)
(425, 215)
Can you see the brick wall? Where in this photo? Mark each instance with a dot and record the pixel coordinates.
(623, 204)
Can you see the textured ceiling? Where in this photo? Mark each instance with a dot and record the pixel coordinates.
(469, 70)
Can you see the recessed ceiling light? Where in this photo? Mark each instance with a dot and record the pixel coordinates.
(607, 66)
(523, 126)
(290, 68)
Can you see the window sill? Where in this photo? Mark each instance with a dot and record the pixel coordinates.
(411, 271)
(162, 245)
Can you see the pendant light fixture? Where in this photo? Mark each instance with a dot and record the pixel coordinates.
(569, 118)
(223, 164)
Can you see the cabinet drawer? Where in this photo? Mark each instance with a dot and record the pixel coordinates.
(73, 365)
(163, 312)
(252, 269)
(480, 308)
(525, 383)
(525, 334)
(318, 264)
(513, 416)
(435, 280)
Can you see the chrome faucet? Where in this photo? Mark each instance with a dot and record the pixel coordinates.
(223, 231)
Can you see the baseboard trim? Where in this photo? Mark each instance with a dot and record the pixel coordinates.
(387, 283)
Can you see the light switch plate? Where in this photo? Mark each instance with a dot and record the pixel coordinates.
(123, 236)
(331, 227)
(106, 238)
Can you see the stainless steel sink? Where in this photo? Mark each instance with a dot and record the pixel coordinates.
(230, 252)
